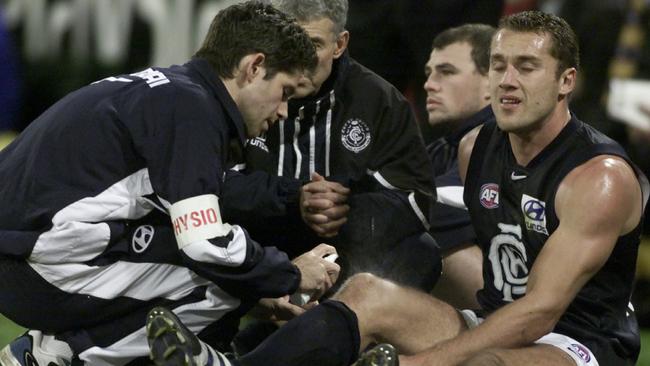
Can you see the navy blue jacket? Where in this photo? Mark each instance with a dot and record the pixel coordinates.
(119, 150)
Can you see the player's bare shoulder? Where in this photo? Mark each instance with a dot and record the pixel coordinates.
(605, 187)
(465, 148)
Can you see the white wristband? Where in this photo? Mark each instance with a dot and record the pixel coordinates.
(197, 218)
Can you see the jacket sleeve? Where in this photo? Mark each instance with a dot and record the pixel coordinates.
(383, 216)
(399, 162)
(259, 198)
(266, 204)
(183, 138)
(451, 225)
(258, 272)
(264, 271)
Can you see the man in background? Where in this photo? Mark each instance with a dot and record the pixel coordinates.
(346, 129)
(458, 101)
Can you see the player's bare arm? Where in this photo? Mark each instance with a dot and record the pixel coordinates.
(465, 150)
(596, 203)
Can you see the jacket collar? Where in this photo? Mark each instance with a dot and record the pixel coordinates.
(334, 83)
(484, 115)
(214, 84)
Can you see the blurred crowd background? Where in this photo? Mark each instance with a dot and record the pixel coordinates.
(49, 48)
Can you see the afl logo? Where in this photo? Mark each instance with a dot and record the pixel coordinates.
(489, 195)
(534, 210)
(355, 135)
(581, 351)
(142, 238)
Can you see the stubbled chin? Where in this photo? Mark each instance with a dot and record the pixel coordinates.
(509, 112)
(506, 121)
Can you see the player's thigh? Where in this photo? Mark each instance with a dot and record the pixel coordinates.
(536, 355)
(462, 277)
(409, 319)
(457, 261)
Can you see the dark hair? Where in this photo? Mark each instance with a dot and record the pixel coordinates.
(564, 45)
(252, 27)
(478, 36)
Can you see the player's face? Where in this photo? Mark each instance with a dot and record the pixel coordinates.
(524, 84)
(322, 34)
(264, 101)
(455, 89)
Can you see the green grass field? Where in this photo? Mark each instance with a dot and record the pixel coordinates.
(9, 330)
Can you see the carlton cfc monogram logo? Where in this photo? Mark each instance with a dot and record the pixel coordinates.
(508, 258)
(355, 135)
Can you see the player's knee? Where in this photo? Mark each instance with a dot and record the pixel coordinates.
(485, 358)
(361, 288)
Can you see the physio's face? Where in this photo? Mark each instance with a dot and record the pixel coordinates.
(264, 101)
(524, 84)
(455, 88)
(322, 34)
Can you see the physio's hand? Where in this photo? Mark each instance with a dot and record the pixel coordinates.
(322, 205)
(317, 273)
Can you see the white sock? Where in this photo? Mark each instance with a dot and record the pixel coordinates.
(204, 357)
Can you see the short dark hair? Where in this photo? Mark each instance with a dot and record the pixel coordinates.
(478, 36)
(252, 27)
(564, 45)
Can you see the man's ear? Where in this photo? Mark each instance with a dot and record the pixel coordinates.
(341, 43)
(568, 81)
(251, 66)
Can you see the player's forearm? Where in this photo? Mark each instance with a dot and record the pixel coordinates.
(516, 325)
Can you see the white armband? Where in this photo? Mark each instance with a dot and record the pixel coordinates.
(197, 218)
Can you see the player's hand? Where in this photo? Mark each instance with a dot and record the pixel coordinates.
(328, 228)
(317, 274)
(325, 220)
(322, 205)
(279, 309)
